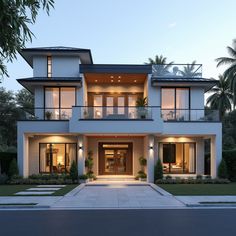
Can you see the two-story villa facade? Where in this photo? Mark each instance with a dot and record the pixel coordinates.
(81, 107)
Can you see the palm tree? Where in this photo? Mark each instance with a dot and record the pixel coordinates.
(162, 67)
(222, 97)
(190, 70)
(230, 72)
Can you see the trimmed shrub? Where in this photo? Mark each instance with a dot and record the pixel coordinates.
(13, 169)
(230, 160)
(3, 179)
(158, 170)
(222, 170)
(74, 171)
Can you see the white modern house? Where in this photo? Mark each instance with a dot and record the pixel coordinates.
(81, 106)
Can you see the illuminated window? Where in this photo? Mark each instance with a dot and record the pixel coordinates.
(49, 66)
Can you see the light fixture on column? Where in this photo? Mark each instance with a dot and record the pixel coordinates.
(80, 147)
(151, 147)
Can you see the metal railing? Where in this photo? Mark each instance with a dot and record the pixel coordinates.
(177, 70)
(115, 112)
(182, 115)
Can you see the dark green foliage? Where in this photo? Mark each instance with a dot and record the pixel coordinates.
(230, 160)
(15, 18)
(13, 169)
(222, 170)
(158, 171)
(3, 178)
(74, 171)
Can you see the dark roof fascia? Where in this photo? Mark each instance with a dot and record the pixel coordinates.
(52, 79)
(115, 68)
(44, 50)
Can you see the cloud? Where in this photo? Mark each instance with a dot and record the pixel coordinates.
(172, 25)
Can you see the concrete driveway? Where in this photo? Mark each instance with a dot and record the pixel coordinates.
(117, 195)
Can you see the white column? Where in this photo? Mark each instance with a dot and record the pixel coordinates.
(200, 157)
(216, 153)
(81, 155)
(149, 150)
(23, 154)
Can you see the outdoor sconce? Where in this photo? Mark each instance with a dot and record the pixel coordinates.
(151, 147)
(80, 147)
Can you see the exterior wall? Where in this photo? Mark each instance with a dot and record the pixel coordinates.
(34, 148)
(197, 98)
(63, 66)
(138, 150)
(40, 66)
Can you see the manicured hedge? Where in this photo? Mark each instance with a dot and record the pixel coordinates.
(230, 159)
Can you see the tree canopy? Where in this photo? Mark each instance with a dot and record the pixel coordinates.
(15, 18)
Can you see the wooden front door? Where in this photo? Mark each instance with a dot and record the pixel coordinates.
(115, 158)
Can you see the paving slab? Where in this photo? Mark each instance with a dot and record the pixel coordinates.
(34, 193)
(116, 196)
(51, 186)
(43, 189)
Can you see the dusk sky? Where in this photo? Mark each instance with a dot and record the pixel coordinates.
(131, 31)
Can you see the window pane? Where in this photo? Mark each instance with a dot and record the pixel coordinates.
(121, 104)
(67, 101)
(70, 155)
(189, 158)
(182, 104)
(51, 103)
(44, 159)
(97, 102)
(132, 106)
(168, 98)
(110, 105)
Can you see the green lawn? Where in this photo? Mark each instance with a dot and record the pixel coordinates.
(200, 189)
(10, 190)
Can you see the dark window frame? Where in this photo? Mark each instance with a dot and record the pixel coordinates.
(183, 157)
(65, 143)
(59, 107)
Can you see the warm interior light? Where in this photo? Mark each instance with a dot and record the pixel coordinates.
(135, 81)
(111, 76)
(96, 80)
(119, 80)
(112, 80)
(119, 76)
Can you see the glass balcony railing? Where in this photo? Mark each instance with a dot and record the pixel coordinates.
(182, 115)
(177, 70)
(47, 114)
(115, 113)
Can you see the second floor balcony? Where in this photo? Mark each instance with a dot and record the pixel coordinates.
(114, 113)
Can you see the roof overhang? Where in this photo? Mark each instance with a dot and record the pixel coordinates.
(116, 69)
(31, 83)
(84, 54)
(207, 84)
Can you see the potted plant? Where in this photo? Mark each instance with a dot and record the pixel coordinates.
(89, 166)
(141, 105)
(83, 179)
(48, 115)
(141, 174)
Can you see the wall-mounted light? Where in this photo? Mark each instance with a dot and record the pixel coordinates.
(151, 147)
(80, 147)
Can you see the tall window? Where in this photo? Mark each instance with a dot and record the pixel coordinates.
(56, 157)
(175, 103)
(178, 158)
(59, 102)
(49, 66)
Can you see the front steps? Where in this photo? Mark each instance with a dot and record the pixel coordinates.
(113, 178)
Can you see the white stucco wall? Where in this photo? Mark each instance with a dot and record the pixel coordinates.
(197, 98)
(40, 66)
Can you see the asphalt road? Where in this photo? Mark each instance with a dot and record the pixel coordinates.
(199, 222)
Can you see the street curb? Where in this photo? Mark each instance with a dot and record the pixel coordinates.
(24, 206)
(211, 205)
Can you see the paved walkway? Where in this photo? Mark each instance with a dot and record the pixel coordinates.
(117, 195)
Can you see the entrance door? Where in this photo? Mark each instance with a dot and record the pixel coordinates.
(115, 158)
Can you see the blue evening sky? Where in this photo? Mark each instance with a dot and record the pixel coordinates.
(130, 31)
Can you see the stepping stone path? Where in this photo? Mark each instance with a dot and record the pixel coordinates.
(41, 190)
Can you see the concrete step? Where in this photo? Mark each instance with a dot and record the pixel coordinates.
(115, 178)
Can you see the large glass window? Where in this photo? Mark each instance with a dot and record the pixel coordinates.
(178, 158)
(175, 103)
(56, 157)
(59, 102)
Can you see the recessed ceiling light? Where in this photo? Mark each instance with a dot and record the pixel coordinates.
(119, 76)
(119, 80)
(135, 81)
(111, 76)
(96, 80)
(112, 80)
